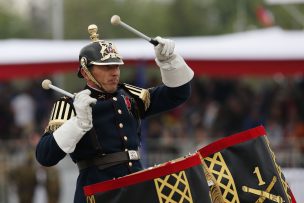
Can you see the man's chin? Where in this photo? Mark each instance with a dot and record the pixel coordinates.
(112, 89)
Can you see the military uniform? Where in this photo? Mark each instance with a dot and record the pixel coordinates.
(109, 149)
(116, 121)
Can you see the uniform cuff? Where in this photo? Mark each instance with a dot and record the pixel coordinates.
(175, 72)
(68, 135)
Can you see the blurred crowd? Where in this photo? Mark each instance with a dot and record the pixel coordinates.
(221, 107)
(217, 108)
(24, 110)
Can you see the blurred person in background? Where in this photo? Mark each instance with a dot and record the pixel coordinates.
(7, 123)
(23, 178)
(33, 182)
(23, 106)
(101, 127)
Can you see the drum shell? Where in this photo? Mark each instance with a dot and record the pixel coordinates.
(181, 180)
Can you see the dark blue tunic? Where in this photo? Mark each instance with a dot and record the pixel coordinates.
(116, 121)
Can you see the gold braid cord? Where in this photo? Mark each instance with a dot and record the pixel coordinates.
(217, 166)
(61, 112)
(278, 168)
(215, 191)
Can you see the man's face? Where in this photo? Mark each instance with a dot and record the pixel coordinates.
(107, 76)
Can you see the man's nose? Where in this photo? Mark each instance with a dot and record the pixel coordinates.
(115, 70)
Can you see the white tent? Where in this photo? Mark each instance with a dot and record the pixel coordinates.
(253, 52)
(285, 1)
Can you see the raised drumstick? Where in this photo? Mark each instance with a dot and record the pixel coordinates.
(115, 20)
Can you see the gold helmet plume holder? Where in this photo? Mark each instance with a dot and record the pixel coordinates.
(92, 29)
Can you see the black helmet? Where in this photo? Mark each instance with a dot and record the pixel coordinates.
(98, 52)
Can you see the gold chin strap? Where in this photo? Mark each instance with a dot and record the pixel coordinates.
(86, 70)
(83, 63)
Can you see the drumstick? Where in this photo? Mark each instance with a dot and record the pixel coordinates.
(47, 84)
(115, 20)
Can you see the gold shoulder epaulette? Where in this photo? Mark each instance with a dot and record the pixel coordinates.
(143, 94)
(61, 112)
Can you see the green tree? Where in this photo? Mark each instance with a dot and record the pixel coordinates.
(155, 18)
(148, 17)
(12, 25)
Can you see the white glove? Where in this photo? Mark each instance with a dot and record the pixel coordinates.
(83, 109)
(69, 134)
(164, 50)
(174, 70)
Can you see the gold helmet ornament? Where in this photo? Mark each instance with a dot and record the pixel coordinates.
(98, 52)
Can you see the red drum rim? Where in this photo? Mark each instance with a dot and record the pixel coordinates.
(145, 175)
(232, 140)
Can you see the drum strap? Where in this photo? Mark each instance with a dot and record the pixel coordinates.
(108, 160)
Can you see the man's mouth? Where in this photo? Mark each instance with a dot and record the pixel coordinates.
(113, 81)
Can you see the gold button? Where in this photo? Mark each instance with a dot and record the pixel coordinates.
(114, 98)
(120, 125)
(130, 164)
(125, 138)
(119, 111)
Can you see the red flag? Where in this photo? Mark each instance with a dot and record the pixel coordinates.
(264, 16)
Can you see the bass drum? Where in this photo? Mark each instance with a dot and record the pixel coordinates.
(243, 166)
(180, 181)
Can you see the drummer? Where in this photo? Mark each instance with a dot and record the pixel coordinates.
(100, 128)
